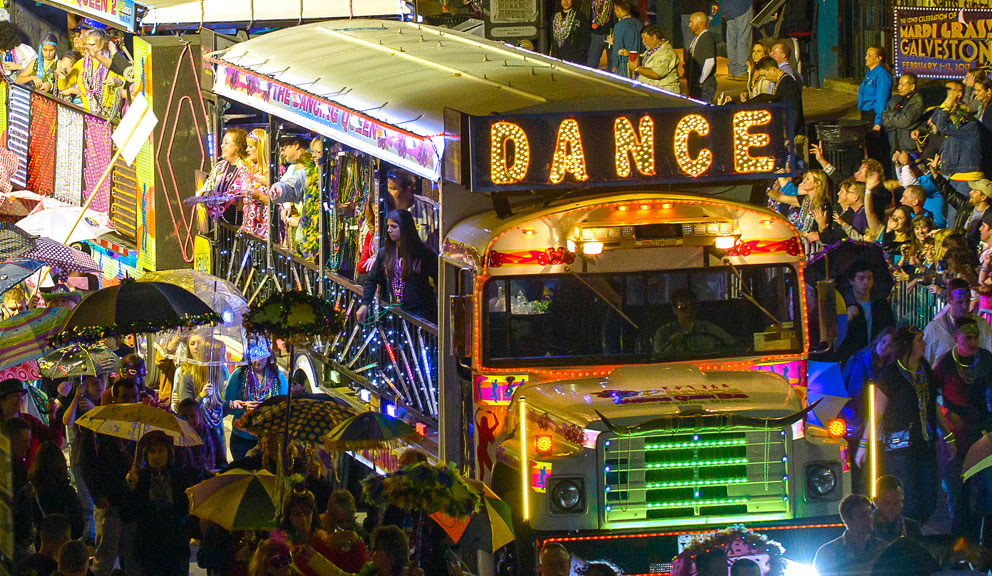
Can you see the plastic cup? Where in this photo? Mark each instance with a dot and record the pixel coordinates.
(632, 56)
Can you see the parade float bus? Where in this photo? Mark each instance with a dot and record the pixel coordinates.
(582, 220)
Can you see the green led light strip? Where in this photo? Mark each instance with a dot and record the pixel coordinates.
(692, 483)
(697, 503)
(704, 444)
(697, 464)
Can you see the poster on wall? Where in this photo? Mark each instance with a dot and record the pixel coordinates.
(941, 43)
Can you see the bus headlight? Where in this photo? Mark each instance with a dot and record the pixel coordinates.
(821, 481)
(568, 495)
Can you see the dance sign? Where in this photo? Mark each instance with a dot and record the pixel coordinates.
(624, 147)
(941, 43)
(116, 13)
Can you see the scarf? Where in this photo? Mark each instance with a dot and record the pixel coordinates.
(563, 26)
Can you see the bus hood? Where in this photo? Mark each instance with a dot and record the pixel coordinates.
(633, 396)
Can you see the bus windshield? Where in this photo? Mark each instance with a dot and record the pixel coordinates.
(641, 317)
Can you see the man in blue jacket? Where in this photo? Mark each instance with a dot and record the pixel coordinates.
(873, 95)
(961, 151)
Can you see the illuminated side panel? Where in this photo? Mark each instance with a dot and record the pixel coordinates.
(707, 477)
(69, 149)
(41, 145)
(144, 167)
(3, 113)
(17, 132)
(98, 149)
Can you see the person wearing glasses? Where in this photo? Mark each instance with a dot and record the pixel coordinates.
(687, 335)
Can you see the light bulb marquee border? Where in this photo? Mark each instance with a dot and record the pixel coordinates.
(628, 147)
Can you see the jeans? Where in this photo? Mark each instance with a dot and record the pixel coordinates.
(86, 501)
(739, 43)
(916, 466)
(706, 92)
(108, 545)
(597, 43)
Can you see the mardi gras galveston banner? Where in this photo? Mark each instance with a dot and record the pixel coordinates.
(942, 43)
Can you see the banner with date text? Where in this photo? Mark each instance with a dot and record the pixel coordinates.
(941, 43)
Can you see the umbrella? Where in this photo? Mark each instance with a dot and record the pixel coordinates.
(236, 500)
(15, 270)
(489, 529)
(65, 258)
(54, 221)
(14, 242)
(23, 337)
(79, 360)
(132, 308)
(132, 421)
(841, 255)
(826, 384)
(311, 417)
(423, 487)
(978, 458)
(293, 315)
(221, 296)
(368, 430)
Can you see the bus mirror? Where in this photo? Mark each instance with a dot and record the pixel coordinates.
(461, 326)
(826, 306)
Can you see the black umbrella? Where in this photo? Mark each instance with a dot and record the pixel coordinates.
(133, 308)
(841, 257)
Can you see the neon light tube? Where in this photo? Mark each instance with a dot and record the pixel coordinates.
(873, 431)
(524, 467)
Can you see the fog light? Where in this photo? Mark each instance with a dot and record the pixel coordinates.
(725, 242)
(543, 444)
(568, 495)
(820, 480)
(836, 428)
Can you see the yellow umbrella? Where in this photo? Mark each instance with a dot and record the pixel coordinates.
(236, 500)
(132, 421)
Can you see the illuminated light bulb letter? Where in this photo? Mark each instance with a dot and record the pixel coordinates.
(642, 149)
(569, 156)
(701, 163)
(744, 140)
(501, 171)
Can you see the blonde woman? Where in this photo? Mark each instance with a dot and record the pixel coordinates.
(812, 195)
(256, 213)
(203, 377)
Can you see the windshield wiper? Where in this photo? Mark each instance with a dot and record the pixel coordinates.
(747, 295)
(608, 298)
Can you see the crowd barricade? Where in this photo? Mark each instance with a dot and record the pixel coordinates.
(914, 305)
(395, 355)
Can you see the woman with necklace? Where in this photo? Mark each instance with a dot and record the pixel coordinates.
(600, 22)
(228, 180)
(963, 376)
(570, 33)
(404, 270)
(201, 377)
(256, 213)
(40, 72)
(625, 41)
(248, 387)
(907, 424)
(15, 55)
(100, 90)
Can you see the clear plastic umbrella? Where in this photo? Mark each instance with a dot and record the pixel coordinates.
(221, 344)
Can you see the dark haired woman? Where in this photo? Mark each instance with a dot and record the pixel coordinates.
(404, 270)
(248, 387)
(40, 72)
(15, 54)
(570, 33)
(907, 416)
(157, 503)
(48, 491)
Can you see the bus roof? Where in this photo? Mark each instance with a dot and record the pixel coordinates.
(392, 79)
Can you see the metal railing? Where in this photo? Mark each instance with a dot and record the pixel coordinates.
(915, 305)
(393, 354)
